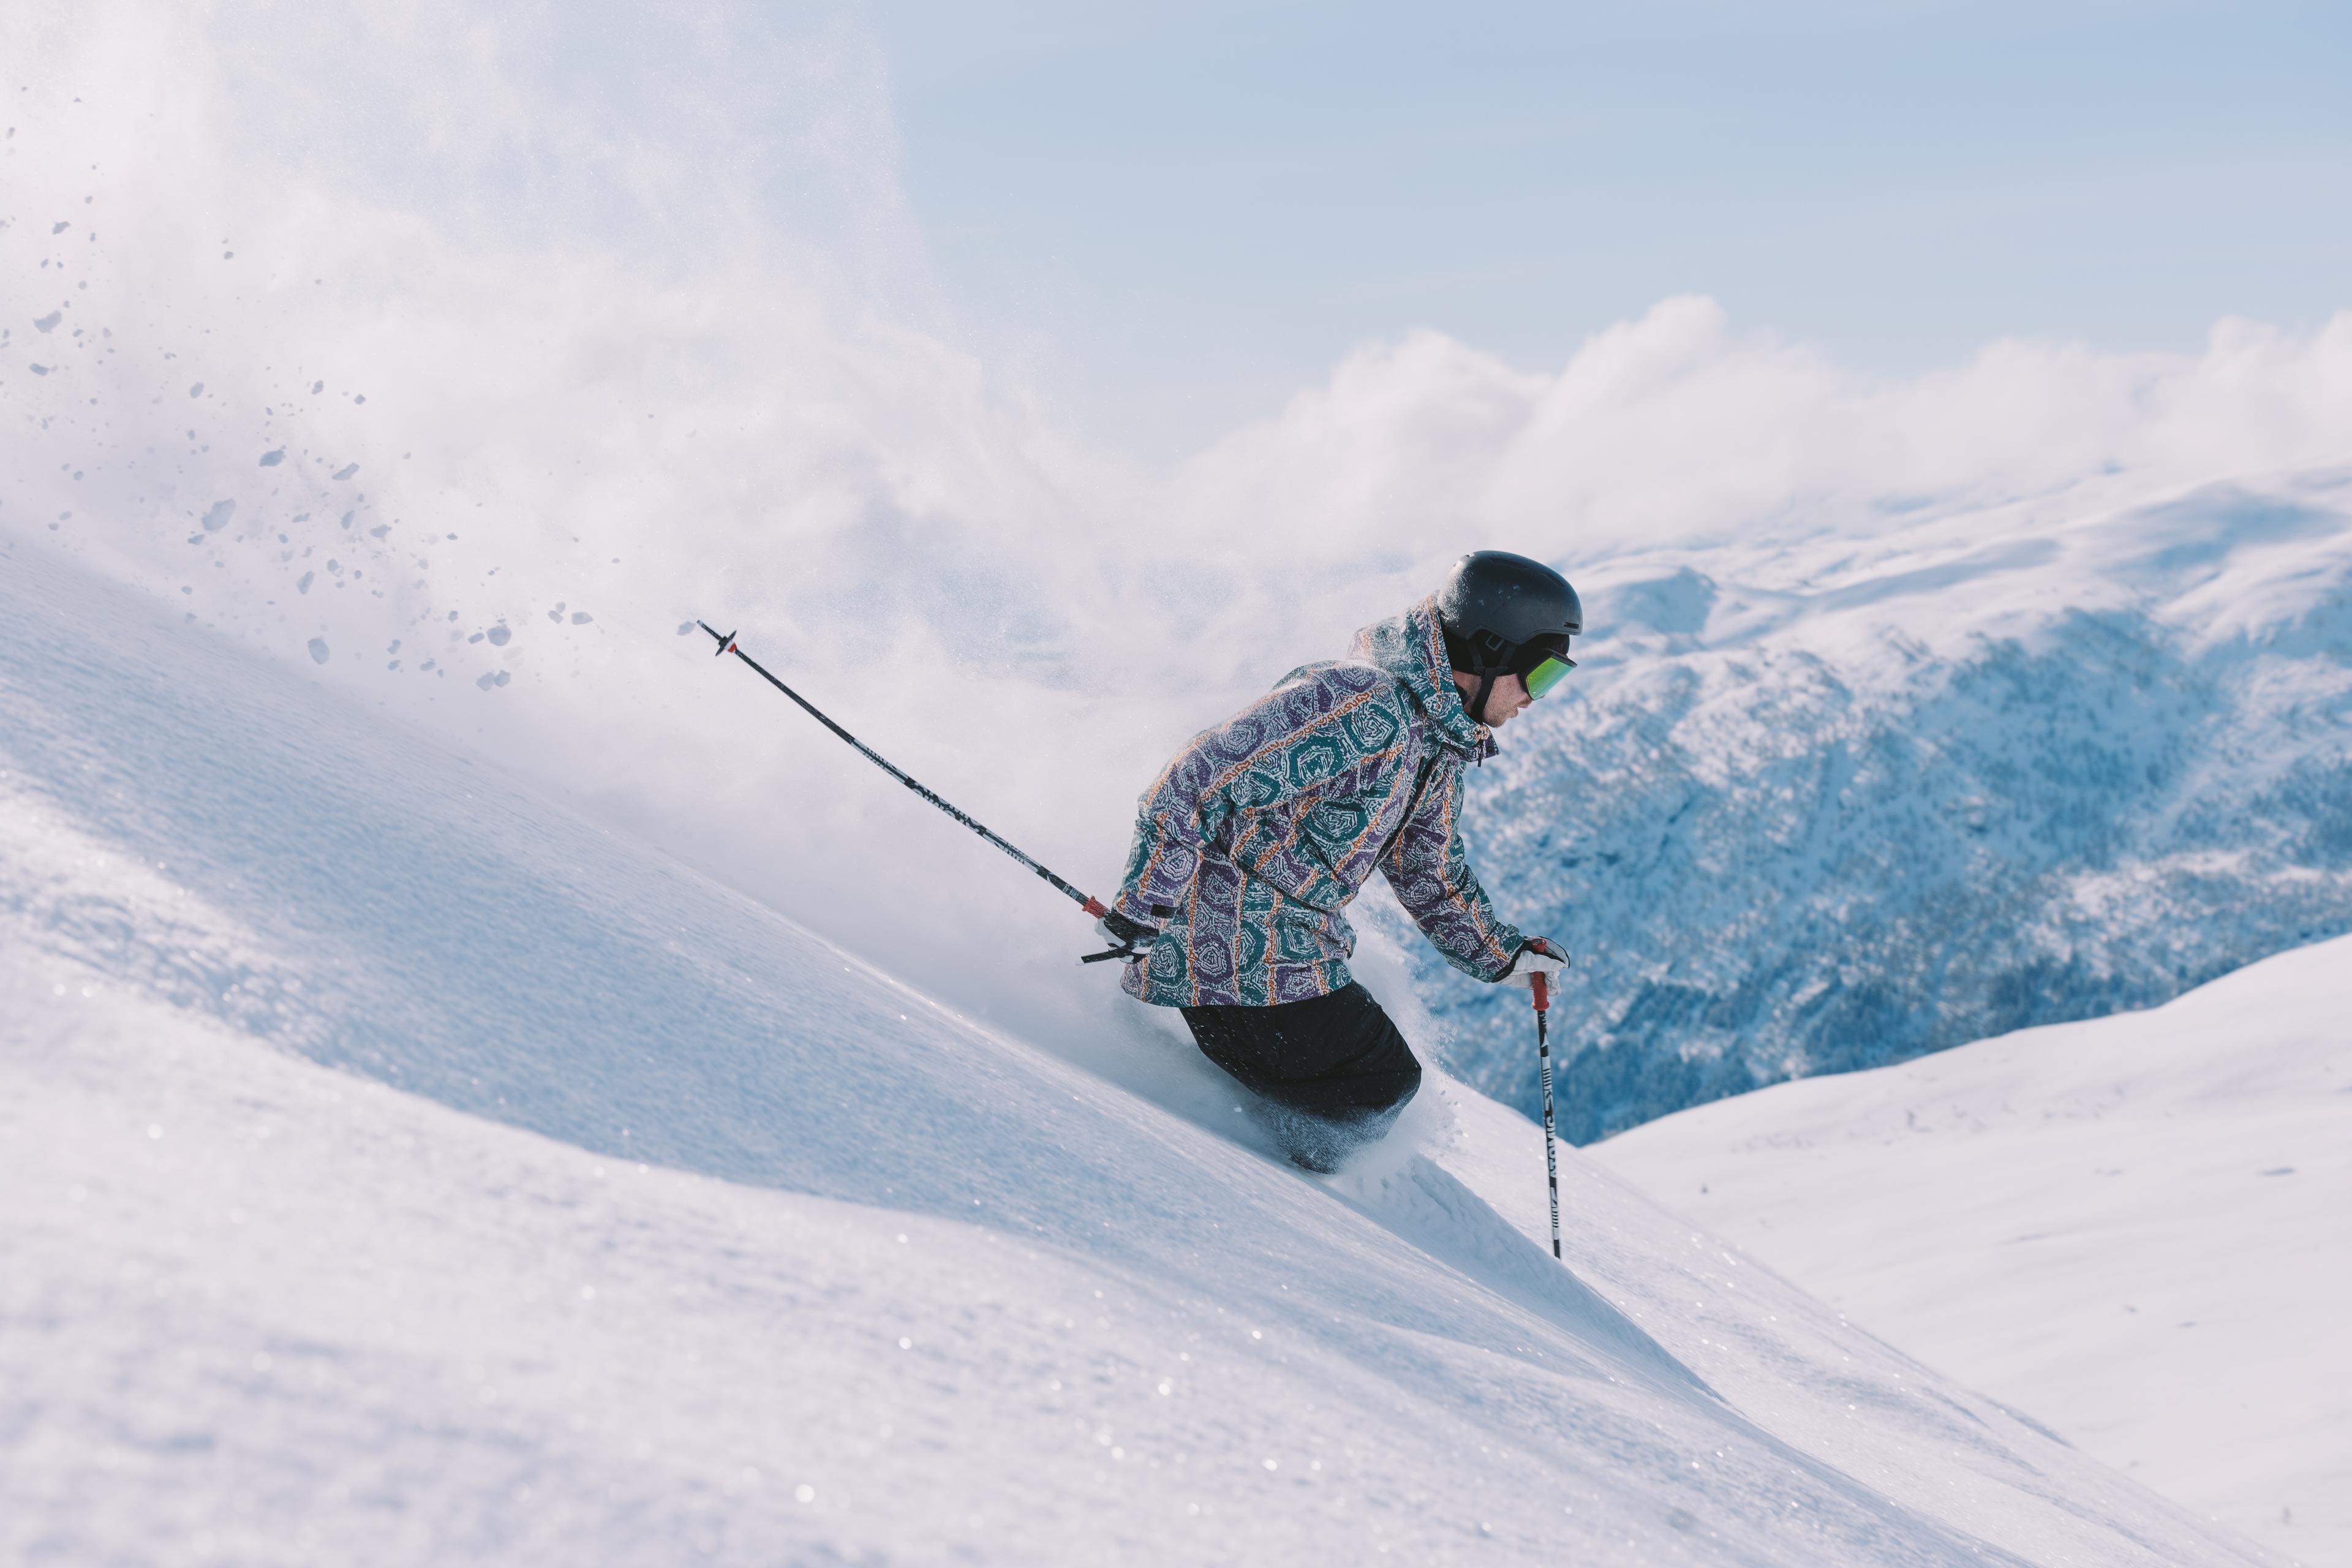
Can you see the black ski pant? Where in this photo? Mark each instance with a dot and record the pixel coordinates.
(1334, 1069)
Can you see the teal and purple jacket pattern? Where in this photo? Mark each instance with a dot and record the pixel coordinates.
(1262, 830)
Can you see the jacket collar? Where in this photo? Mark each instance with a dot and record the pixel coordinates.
(1412, 649)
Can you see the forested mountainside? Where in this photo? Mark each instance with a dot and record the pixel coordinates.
(1814, 808)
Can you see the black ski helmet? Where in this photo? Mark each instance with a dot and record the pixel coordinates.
(1503, 614)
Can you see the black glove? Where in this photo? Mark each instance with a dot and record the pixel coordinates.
(1129, 939)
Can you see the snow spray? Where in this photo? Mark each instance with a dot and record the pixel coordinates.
(1092, 906)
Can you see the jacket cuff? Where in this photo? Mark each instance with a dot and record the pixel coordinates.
(1141, 908)
(1510, 938)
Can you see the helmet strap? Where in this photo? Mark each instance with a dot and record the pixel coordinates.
(1489, 657)
(1478, 703)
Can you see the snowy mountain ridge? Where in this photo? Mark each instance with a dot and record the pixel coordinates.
(1820, 806)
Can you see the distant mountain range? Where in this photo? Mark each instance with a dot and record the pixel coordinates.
(1828, 805)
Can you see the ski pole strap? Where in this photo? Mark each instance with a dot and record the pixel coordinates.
(727, 645)
(1127, 948)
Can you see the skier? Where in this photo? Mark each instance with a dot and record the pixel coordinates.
(1252, 842)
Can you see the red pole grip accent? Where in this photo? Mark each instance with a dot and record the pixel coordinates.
(1536, 985)
(1095, 908)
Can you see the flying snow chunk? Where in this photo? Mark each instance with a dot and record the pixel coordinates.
(197, 390)
(580, 617)
(499, 637)
(347, 470)
(317, 387)
(304, 585)
(271, 459)
(59, 228)
(216, 516)
(684, 627)
(48, 323)
(317, 650)
(40, 370)
(488, 681)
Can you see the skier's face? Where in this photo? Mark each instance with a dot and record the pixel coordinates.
(1503, 703)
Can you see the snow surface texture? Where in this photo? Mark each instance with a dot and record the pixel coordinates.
(1827, 807)
(2138, 1226)
(400, 1169)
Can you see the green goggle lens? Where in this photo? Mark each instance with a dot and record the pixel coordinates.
(1547, 674)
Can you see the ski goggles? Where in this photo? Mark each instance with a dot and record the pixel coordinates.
(1550, 665)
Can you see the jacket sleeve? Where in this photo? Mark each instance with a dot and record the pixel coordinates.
(1280, 751)
(1427, 865)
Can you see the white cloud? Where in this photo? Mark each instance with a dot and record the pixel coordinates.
(1676, 430)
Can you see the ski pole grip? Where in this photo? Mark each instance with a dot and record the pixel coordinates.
(1536, 985)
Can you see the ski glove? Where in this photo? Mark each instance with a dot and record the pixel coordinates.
(1128, 939)
(1536, 956)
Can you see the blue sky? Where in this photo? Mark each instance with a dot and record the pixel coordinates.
(1180, 213)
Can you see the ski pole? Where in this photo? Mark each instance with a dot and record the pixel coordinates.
(727, 646)
(1543, 1062)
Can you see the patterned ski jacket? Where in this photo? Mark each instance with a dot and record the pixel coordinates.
(1262, 829)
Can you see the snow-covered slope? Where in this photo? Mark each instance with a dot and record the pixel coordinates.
(1827, 805)
(2139, 1227)
(395, 1167)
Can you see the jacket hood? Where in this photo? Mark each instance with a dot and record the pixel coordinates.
(1411, 647)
